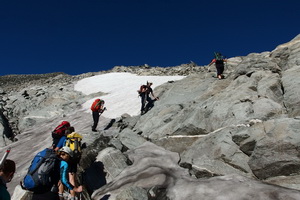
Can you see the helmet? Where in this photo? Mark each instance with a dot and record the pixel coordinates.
(67, 150)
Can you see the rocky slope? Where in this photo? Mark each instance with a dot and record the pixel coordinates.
(205, 138)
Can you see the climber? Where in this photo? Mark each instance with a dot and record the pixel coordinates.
(144, 92)
(65, 154)
(219, 61)
(97, 109)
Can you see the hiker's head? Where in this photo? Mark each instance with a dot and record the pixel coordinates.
(102, 102)
(149, 83)
(7, 170)
(71, 129)
(65, 153)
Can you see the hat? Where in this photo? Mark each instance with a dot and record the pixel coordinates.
(67, 150)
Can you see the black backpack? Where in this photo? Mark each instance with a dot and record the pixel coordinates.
(43, 172)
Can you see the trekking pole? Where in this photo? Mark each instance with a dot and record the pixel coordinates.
(4, 157)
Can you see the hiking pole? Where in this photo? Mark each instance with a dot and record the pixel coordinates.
(4, 157)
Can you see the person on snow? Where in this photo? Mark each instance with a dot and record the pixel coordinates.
(219, 62)
(144, 92)
(7, 171)
(97, 109)
(65, 154)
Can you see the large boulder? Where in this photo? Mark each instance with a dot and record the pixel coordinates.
(277, 154)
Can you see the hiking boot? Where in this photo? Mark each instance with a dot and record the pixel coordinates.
(94, 130)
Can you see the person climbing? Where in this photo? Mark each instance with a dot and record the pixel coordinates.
(62, 140)
(7, 171)
(219, 62)
(97, 109)
(66, 154)
(59, 131)
(144, 93)
(73, 140)
(43, 176)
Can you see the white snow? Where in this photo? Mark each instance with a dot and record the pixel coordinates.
(121, 89)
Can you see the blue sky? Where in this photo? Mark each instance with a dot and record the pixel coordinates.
(78, 36)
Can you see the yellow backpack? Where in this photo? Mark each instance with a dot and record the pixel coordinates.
(74, 142)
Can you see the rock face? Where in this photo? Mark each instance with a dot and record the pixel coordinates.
(246, 125)
(204, 139)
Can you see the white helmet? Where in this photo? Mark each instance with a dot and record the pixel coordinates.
(67, 150)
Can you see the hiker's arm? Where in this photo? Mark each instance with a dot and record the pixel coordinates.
(212, 62)
(60, 144)
(64, 175)
(153, 95)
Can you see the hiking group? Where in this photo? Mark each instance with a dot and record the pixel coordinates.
(219, 62)
(52, 172)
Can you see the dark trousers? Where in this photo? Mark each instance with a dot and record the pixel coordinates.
(96, 117)
(145, 99)
(220, 69)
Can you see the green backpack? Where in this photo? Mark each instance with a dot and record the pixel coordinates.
(218, 56)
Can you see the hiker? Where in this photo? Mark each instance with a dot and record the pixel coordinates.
(72, 141)
(59, 131)
(63, 139)
(43, 176)
(219, 62)
(7, 171)
(97, 109)
(66, 154)
(144, 92)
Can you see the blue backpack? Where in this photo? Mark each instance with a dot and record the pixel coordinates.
(42, 173)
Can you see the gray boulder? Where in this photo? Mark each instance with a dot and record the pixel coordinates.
(276, 154)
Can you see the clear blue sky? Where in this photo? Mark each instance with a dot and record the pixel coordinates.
(78, 36)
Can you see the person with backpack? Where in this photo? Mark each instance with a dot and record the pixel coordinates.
(73, 141)
(97, 109)
(219, 62)
(66, 154)
(43, 176)
(62, 140)
(7, 170)
(59, 131)
(144, 93)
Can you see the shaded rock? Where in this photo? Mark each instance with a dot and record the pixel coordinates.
(152, 166)
(114, 162)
